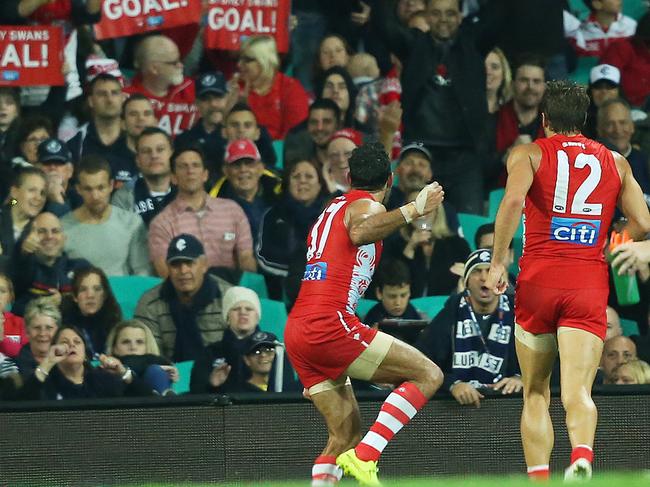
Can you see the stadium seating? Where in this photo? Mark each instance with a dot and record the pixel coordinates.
(129, 289)
(254, 281)
(278, 147)
(274, 317)
(184, 375)
(629, 327)
(470, 224)
(494, 200)
(364, 306)
(431, 305)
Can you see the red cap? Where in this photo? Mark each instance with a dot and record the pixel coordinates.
(352, 135)
(241, 149)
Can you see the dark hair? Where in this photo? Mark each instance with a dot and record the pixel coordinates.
(103, 77)
(132, 98)
(352, 90)
(182, 150)
(241, 107)
(318, 69)
(291, 164)
(528, 59)
(13, 93)
(147, 131)
(565, 105)
(642, 34)
(326, 104)
(93, 164)
(109, 314)
(24, 172)
(485, 229)
(393, 272)
(369, 167)
(79, 333)
(30, 124)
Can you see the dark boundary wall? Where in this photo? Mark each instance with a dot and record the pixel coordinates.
(206, 439)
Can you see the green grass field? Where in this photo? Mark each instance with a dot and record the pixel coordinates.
(632, 479)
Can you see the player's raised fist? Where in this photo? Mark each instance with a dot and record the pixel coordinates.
(497, 279)
(429, 198)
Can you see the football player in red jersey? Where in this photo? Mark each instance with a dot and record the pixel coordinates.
(568, 187)
(327, 343)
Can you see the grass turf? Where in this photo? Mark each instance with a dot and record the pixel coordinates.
(631, 479)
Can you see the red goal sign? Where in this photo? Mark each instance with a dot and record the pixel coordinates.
(232, 21)
(31, 55)
(122, 18)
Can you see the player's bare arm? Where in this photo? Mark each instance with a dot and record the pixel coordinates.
(631, 201)
(368, 221)
(521, 165)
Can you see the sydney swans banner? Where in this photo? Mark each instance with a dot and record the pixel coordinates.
(232, 21)
(128, 17)
(31, 55)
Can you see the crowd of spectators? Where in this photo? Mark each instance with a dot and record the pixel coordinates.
(160, 157)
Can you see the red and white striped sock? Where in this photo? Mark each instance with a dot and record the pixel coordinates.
(398, 409)
(582, 451)
(325, 471)
(539, 472)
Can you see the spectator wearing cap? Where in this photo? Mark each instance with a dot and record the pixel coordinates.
(284, 227)
(223, 364)
(247, 182)
(184, 312)
(40, 267)
(632, 57)
(113, 239)
(278, 101)
(605, 25)
(160, 78)
(220, 224)
(473, 337)
(616, 128)
(27, 200)
(152, 190)
(241, 123)
(55, 159)
(310, 138)
(212, 101)
(339, 149)
(520, 120)
(604, 84)
(103, 135)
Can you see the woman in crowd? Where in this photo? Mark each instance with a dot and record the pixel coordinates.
(633, 372)
(12, 328)
(92, 307)
(431, 248)
(498, 80)
(66, 373)
(336, 84)
(259, 360)
(278, 101)
(31, 132)
(333, 51)
(285, 225)
(132, 343)
(42, 320)
(27, 200)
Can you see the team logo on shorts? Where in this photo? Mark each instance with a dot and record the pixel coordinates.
(315, 272)
(575, 231)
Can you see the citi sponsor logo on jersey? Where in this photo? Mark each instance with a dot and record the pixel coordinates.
(575, 231)
(315, 272)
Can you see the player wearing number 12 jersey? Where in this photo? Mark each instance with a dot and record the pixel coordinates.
(570, 187)
(327, 343)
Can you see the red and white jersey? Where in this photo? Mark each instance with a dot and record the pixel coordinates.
(176, 112)
(589, 38)
(338, 272)
(569, 209)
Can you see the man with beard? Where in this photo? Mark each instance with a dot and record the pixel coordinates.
(520, 120)
(160, 78)
(472, 338)
(310, 139)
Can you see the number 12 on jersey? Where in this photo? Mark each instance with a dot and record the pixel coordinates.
(579, 206)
